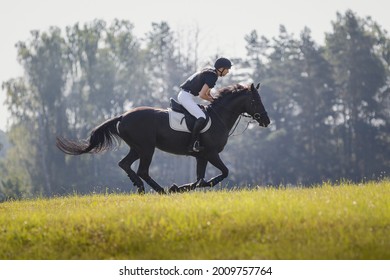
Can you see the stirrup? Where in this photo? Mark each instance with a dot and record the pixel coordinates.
(197, 147)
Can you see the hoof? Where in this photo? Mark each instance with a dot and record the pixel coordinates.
(201, 184)
(141, 190)
(173, 189)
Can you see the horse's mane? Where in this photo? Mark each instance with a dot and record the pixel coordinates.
(222, 92)
(232, 88)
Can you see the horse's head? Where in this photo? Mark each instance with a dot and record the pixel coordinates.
(238, 99)
(255, 107)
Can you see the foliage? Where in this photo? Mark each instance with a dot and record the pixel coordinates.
(343, 221)
(4, 143)
(10, 190)
(328, 104)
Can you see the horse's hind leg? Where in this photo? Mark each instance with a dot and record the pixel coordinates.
(126, 163)
(143, 171)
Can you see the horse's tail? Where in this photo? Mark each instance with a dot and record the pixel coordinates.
(102, 138)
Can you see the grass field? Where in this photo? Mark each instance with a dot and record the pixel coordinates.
(346, 221)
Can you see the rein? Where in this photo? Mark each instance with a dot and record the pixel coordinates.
(246, 127)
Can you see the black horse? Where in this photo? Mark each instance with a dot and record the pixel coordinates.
(145, 128)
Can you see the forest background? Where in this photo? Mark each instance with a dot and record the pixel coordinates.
(329, 105)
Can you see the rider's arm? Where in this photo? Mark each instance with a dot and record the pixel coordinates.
(205, 93)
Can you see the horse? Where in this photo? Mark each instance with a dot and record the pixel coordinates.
(146, 128)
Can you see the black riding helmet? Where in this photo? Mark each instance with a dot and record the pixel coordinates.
(222, 63)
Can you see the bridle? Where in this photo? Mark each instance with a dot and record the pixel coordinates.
(255, 118)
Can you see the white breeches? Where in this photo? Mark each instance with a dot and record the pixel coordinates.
(187, 100)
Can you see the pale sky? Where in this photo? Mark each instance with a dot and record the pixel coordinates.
(222, 24)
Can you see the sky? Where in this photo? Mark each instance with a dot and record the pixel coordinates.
(222, 24)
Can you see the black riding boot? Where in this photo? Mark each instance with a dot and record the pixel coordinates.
(194, 145)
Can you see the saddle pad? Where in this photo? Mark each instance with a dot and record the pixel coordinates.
(177, 122)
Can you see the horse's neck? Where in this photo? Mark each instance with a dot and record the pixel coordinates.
(228, 112)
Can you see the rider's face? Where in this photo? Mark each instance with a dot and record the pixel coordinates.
(223, 71)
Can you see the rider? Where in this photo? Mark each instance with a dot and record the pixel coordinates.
(200, 84)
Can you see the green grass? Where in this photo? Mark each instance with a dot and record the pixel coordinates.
(324, 222)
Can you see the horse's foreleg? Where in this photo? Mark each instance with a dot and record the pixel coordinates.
(217, 162)
(183, 188)
(201, 164)
(125, 164)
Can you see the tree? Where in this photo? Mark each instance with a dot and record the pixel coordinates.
(315, 95)
(107, 78)
(360, 78)
(37, 102)
(299, 92)
(164, 69)
(4, 143)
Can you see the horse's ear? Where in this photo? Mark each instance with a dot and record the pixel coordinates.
(258, 85)
(252, 87)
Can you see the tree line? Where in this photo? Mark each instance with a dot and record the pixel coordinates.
(328, 104)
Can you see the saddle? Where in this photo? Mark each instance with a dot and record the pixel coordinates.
(189, 119)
